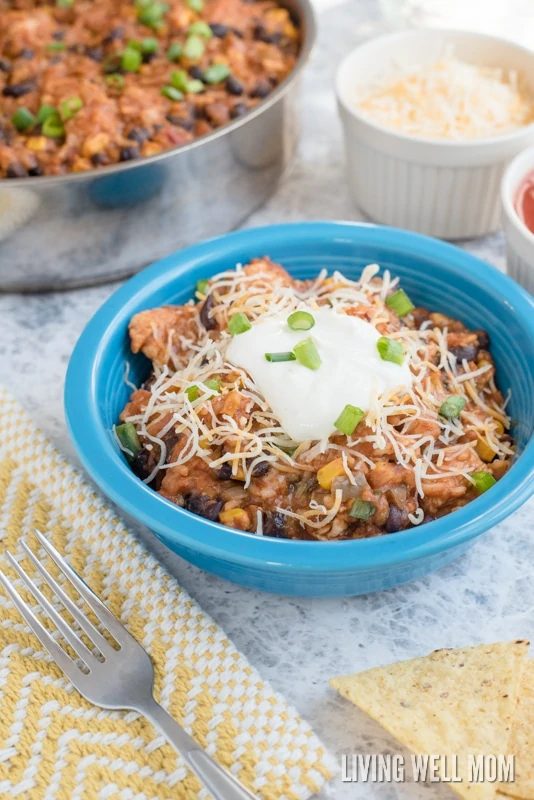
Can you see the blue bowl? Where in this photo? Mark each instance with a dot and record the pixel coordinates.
(436, 275)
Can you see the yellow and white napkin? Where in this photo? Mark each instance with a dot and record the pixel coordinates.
(56, 746)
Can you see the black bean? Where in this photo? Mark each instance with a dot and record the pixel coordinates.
(128, 153)
(205, 318)
(143, 463)
(115, 33)
(233, 86)
(170, 443)
(27, 53)
(5, 66)
(468, 352)
(19, 89)
(94, 53)
(397, 519)
(219, 30)
(139, 135)
(58, 35)
(224, 473)
(16, 170)
(274, 524)
(204, 506)
(99, 159)
(182, 122)
(197, 73)
(483, 339)
(239, 110)
(262, 89)
(263, 35)
(261, 468)
(237, 32)
(35, 172)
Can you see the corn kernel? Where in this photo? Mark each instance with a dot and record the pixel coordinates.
(484, 451)
(235, 518)
(326, 475)
(37, 143)
(499, 427)
(95, 144)
(151, 149)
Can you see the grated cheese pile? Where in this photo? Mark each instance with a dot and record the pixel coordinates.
(450, 99)
(433, 451)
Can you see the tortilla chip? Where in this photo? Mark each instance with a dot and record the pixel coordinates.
(521, 743)
(452, 702)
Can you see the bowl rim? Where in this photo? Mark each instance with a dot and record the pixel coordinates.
(513, 176)
(309, 25)
(432, 144)
(214, 540)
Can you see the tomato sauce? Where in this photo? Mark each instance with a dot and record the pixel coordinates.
(524, 201)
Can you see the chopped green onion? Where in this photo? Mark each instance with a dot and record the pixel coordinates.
(274, 358)
(23, 119)
(390, 350)
(151, 14)
(127, 436)
(64, 3)
(400, 303)
(452, 406)
(53, 127)
(195, 86)
(300, 321)
(194, 48)
(180, 79)
(202, 286)
(149, 45)
(287, 450)
(115, 80)
(172, 93)
(214, 384)
(307, 354)
(175, 51)
(68, 108)
(55, 47)
(200, 28)
(192, 393)
(195, 5)
(362, 509)
(239, 323)
(216, 73)
(131, 60)
(483, 480)
(45, 112)
(349, 419)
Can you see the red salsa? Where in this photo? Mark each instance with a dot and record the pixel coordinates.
(524, 201)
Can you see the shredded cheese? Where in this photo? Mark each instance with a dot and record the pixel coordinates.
(450, 99)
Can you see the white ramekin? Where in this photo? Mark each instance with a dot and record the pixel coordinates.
(519, 240)
(448, 189)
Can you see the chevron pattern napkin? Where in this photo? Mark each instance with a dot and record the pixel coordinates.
(56, 746)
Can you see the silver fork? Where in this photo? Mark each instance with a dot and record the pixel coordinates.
(123, 678)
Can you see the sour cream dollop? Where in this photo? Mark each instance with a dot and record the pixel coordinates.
(308, 402)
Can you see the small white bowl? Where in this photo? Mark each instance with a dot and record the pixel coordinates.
(443, 188)
(519, 240)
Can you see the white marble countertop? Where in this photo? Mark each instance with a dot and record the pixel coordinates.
(298, 644)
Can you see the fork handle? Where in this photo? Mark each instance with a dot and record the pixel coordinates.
(217, 780)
